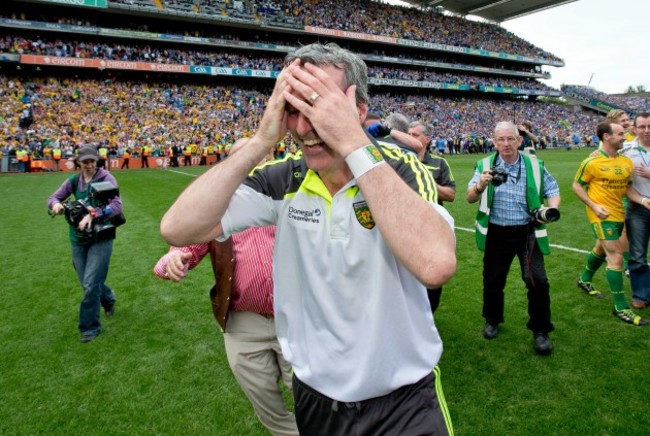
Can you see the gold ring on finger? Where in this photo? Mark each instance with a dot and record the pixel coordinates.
(313, 97)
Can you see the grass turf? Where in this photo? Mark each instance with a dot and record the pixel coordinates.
(159, 366)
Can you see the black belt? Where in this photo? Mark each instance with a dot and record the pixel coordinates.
(510, 229)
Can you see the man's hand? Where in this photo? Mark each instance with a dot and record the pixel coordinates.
(334, 114)
(474, 193)
(601, 211)
(178, 265)
(642, 171)
(273, 126)
(485, 179)
(180, 228)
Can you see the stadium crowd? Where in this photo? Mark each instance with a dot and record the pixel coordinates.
(473, 117)
(456, 78)
(147, 53)
(126, 116)
(221, 37)
(125, 52)
(633, 103)
(373, 17)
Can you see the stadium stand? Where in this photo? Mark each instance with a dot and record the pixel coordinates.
(602, 102)
(203, 77)
(374, 18)
(97, 50)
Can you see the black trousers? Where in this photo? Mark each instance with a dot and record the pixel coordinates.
(410, 410)
(502, 245)
(434, 298)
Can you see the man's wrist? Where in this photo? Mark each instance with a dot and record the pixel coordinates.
(364, 159)
(258, 147)
(477, 189)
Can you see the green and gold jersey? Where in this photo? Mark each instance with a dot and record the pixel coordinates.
(606, 179)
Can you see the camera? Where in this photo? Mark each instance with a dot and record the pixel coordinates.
(75, 211)
(103, 192)
(546, 215)
(499, 176)
(99, 195)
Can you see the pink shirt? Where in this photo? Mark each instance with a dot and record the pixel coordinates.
(252, 282)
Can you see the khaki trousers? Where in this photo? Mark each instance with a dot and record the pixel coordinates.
(256, 360)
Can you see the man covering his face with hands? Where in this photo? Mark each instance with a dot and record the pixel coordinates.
(352, 315)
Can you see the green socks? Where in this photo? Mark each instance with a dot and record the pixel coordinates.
(615, 281)
(593, 263)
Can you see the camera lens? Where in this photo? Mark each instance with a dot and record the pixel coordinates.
(499, 176)
(547, 215)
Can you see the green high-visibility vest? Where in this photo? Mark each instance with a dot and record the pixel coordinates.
(534, 200)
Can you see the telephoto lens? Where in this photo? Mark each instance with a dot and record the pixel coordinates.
(547, 215)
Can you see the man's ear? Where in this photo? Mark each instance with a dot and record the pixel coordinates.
(362, 109)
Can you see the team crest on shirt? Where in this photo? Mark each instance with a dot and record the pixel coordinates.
(363, 215)
(610, 232)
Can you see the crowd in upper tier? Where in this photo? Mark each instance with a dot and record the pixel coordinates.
(369, 17)
(633, 102)
(231, 59)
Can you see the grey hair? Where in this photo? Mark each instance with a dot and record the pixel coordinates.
(397, 122)
(427, 130)
(506, 125)
(356, 71)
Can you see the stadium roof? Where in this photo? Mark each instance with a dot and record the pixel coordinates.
(492, 10)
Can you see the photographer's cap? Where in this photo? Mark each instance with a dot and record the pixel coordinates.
(87, 152)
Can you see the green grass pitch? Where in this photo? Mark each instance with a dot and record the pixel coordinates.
(159, 366)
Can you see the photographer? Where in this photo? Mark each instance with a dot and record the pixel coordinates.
(530, 141)
(90, 236)
(510, 222)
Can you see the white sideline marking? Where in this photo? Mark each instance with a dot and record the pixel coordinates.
(180, 172)
(561, 247)
(465, 229)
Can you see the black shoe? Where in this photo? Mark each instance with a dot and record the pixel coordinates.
(543, 344)
(490, 331)
(87, 337)
(110, 310)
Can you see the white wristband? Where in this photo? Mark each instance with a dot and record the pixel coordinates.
(364, 159)
(643, 199)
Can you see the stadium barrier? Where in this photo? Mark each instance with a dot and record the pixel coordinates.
(10, 165)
